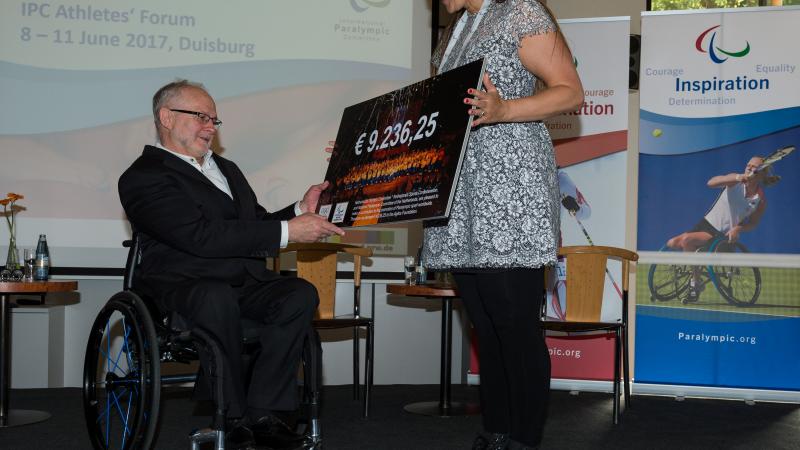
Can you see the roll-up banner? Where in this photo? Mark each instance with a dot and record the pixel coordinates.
(718, 285)
(591, 145)
(591, 154)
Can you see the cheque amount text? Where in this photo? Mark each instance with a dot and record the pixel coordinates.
(397, 134)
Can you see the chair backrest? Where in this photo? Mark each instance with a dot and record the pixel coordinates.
(316, 263)
(586, 272)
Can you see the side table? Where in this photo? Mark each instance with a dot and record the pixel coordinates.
(444, 407)
(16, 417)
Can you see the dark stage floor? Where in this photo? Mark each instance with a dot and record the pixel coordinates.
(576, 422)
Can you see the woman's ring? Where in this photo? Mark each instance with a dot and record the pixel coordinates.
(483, 113)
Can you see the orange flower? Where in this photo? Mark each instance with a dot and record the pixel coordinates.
(5, 201)
(14, 197)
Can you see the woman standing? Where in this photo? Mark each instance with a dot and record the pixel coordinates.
(504, 221)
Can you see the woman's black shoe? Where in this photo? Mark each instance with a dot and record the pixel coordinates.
(490, 441)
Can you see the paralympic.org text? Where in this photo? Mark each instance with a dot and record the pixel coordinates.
(568, 352)
(716, 338)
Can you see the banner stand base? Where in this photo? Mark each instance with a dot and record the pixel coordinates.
(678, 391)
(723, 393)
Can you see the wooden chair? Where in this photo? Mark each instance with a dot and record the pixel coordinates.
(586, 272)
(316, 263)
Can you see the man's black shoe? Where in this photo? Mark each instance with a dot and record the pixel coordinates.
(490, 441)
(514, 445)
(274, 433)
(239, 437)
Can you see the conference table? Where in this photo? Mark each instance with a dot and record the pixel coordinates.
(16, 417)
(445, 407)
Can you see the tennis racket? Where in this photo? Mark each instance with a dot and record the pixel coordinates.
(776, 156)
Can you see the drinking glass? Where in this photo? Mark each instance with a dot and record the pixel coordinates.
(411, 269)
(29, 261)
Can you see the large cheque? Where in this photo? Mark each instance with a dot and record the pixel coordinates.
(397, 157)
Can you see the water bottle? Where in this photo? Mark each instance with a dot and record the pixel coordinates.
(41, 268)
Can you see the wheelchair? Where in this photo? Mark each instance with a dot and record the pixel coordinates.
(739, 286)
(122, 380)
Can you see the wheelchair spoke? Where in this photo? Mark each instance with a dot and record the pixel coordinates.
(124, 349)
(114, 400)
(121, 382)
(106, 413)
(126, 420)
(108, 418)
(113, 404)
(123, 417)
(109, 362)
(112, 364)
(126, 344)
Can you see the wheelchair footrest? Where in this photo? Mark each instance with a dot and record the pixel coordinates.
(204, 435)
(315, 433)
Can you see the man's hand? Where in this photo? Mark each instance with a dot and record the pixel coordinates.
(310, 227)
(311, 198)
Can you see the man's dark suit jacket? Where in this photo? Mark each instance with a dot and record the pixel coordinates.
(192, 230)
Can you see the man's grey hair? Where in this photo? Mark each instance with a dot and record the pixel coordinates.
(170, 91)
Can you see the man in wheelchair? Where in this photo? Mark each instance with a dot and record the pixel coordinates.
(204, 239)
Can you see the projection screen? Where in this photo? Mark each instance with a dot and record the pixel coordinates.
(77, 78)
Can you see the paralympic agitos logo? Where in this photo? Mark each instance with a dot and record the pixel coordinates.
(717, 54)
(363, 5)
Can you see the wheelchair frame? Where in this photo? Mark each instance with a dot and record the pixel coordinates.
(122, 378)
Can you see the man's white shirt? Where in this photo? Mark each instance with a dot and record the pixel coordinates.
(211, 171)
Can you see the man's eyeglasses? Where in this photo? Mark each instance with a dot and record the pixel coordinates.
(203, 117)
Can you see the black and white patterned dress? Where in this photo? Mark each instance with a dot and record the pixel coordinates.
(505, 212)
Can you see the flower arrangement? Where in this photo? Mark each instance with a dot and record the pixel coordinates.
(10, 209)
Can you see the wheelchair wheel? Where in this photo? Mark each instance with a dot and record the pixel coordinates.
(667, 281)
(121, 376)
(739, 286)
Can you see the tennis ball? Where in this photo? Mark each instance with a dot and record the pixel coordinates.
(657, 132)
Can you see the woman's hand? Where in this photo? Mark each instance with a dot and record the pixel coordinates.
(487, 106)
(329, 149)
